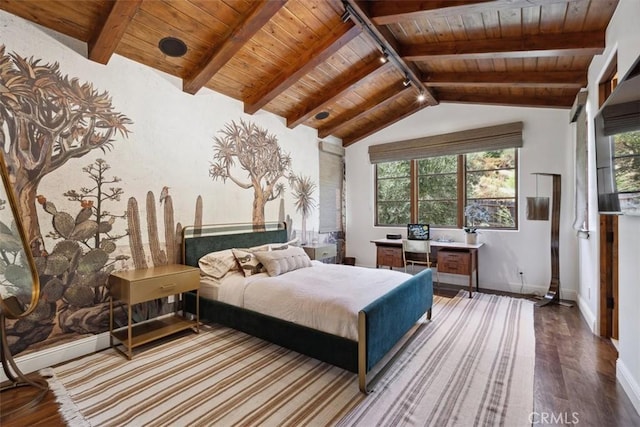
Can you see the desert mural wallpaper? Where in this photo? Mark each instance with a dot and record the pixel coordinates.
(107, 172)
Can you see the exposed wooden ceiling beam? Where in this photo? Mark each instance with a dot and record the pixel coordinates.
(303, 65)
(262, 11)
(106, 38)
(510, 100)
(356, 113)
(398, 115)
(344, 84)
(530, 46)
(546, 79)
(390, 12)
(391, 46)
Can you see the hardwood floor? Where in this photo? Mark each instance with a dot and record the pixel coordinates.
(574, 380)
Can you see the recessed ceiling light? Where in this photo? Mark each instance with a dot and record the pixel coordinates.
(322, 115)
(172, 46)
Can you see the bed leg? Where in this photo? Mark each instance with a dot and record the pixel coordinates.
(429, 314)
(362, 353)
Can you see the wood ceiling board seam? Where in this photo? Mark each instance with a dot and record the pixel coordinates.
(166, 65)
(591, 43)
(287, 78)
(387, 97)
(108, 34)
(535, 101)
(216, 25)
(575, 16)
(232, 43)
(165, 15)
(384, 13)
(552, 18)
(396, 118)
(600, 13)
(143, 56)
(559, 79)
(143, 17)
(338, 90)
(34, 12)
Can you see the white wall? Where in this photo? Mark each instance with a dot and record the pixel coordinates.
(623, 38)
(547, 148)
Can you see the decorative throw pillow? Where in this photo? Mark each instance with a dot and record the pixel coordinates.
(217, 264)
(247, 261)
(281, 261)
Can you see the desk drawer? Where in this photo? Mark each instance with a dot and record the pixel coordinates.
(454, 262)
(389, 256)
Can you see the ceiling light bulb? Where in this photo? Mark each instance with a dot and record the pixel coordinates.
(421, 97)
(384, 58)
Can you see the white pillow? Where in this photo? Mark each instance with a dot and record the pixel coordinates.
(281, 261)
(217, 264)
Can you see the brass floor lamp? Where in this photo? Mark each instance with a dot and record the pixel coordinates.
(538, 210)
(20, 292)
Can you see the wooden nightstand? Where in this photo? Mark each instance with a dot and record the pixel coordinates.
(321, 251)
(142, 285)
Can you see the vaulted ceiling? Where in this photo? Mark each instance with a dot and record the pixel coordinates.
(298, 58)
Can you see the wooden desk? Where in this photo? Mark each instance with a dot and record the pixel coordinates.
(452, 257)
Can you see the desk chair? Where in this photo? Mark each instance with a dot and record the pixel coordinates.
(417, 252)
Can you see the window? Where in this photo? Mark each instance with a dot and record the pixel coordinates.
(393, 192)
(330, 188)
(445, 185)
(626, 160)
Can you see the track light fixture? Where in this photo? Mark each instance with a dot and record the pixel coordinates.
(388, 52)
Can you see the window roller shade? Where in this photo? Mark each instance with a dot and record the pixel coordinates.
(473, 140)
(621, 118)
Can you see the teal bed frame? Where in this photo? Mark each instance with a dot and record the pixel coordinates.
(382, 324)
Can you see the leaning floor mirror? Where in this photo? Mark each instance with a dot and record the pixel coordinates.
(19, 291)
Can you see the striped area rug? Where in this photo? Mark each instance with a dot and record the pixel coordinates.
(471, 365)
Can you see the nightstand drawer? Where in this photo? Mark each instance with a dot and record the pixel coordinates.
(161, 285)
(454, 262)
(320, 251)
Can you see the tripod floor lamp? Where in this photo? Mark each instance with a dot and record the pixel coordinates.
(538, 210)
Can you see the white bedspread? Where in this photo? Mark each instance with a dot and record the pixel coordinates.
(326, 297)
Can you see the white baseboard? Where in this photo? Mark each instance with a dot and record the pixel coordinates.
(587, 314)
(62, 353)
(629, 384)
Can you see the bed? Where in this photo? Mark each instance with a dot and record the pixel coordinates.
(382, 325)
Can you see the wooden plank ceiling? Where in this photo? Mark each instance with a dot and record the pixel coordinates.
(298, 58)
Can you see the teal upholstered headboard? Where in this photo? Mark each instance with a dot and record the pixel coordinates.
(199, 241)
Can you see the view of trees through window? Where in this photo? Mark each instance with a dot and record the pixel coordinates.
(627, 166)
(486, 180)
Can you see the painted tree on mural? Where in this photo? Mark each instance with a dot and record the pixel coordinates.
(45, 120)
(254, 150)
(303, 188)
